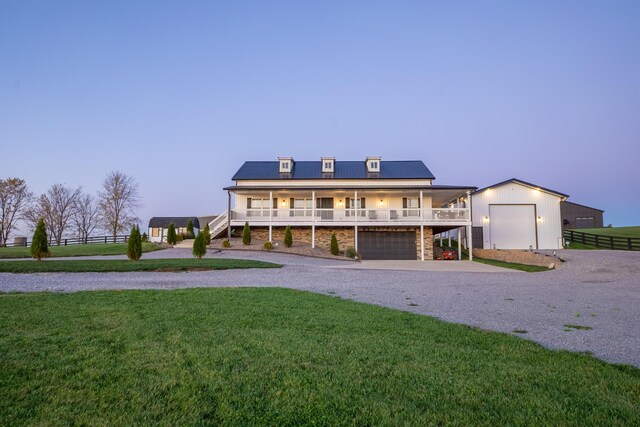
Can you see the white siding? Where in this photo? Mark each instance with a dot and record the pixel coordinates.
(335, 182)
(547, 208)
(372, 200)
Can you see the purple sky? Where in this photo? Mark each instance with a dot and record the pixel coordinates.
(179, 94)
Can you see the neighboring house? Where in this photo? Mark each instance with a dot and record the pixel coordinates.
(515, 214)
(580, 216)
(384, 209)
(159, 226)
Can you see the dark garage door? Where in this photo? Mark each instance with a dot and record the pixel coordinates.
(585, 222)
(387, 244)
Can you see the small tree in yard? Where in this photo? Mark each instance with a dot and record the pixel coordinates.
(288, 238)
(199, 246)
(335, 249)
(207, 235)
(246, 234)
(190, 233)
(39, 248)
(171, 235)
(134, 246)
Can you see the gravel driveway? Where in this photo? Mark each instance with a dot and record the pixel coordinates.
(595, 289)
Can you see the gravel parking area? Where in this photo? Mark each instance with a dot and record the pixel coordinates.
(593, 289)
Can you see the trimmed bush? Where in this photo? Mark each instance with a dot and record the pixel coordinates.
(288, 238)
(179, 238)
(226, 244)
(171, 235)
(134, 245)
(350, 252)
(246, 234)
(39, 247)
(144, 237)
(190, 232)
(267, 246)
(335, 249)
(207, 234)
(199, 246)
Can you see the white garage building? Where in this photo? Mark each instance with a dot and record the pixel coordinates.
(515, 214)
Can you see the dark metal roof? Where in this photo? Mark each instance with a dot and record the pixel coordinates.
(582, 206)
(409, 169)
(525, 183)
(178, 221)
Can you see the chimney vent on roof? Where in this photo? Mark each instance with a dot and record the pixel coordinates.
(373, 164)
(286, 164)
(328, 164)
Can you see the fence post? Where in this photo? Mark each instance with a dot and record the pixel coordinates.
(629, 244)
(105, 239)
(611, 241)
(597, 245)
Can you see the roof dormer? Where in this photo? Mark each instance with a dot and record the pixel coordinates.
(286, 164)
(328, 164)
(373, 164)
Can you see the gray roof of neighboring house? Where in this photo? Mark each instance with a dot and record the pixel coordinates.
(178, 221)
(408, 169)
(521, 182)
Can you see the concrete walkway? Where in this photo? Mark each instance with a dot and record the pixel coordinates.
(442, 266)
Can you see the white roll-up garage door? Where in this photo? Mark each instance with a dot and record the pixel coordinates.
(512, 226)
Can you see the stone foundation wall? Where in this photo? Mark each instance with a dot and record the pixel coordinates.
(345, 236)
(518, 257)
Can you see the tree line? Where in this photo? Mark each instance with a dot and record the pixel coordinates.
(68, 210)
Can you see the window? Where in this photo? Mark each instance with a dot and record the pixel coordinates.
(410, 206)
(302, 207)
(327, 165)
(257, 207)
(155, 232)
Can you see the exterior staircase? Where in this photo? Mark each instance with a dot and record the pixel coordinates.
(218, 227)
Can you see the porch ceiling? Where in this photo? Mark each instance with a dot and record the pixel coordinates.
(440, 194)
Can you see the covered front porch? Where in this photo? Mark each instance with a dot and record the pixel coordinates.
(385, 209)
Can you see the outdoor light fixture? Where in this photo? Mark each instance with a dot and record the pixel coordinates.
(284, 203)
(381, 203)
(539, 219)
(339, 203)
(486, 219)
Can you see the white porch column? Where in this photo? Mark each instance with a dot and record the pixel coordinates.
(469, 227)
(270, 214)
(459, 244)
(356, 221)
(449, 235)
(422, 242)
(313, 219)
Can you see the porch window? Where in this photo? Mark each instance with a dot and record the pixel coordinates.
(410, 206)
(155, 232)
(257, 207)
(353, 204)
(302, 207)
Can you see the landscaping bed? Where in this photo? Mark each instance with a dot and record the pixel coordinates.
(303, 249)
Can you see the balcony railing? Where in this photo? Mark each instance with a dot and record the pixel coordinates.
(351, 216)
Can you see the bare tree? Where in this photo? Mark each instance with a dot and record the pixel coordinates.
(118, 202)
(57, 208)
(14, 201)
(86, 216)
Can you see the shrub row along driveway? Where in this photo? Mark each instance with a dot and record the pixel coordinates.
(590, 304)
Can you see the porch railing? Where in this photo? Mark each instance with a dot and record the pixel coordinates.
(301, 215)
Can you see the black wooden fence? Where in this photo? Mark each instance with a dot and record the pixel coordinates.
(78, 241)
(600, 241)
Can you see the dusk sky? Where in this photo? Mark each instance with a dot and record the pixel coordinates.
(180, 94)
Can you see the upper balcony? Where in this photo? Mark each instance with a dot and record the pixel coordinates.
(351, 217)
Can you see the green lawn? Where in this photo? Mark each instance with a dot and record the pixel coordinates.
(78, 250)
(612, 231)
(101, 266)
(512, 265)
(283, 357)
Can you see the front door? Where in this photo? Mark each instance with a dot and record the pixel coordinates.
(325, 203)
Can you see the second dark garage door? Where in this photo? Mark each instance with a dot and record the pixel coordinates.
(387, 244)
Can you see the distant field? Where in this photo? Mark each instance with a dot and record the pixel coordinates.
(613, 231)
(78, 250)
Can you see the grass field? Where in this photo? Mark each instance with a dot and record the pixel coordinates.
(125, 265)
(512, 265)
(283, 357)
(606, 231)
(78, 250)
(612, 231)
